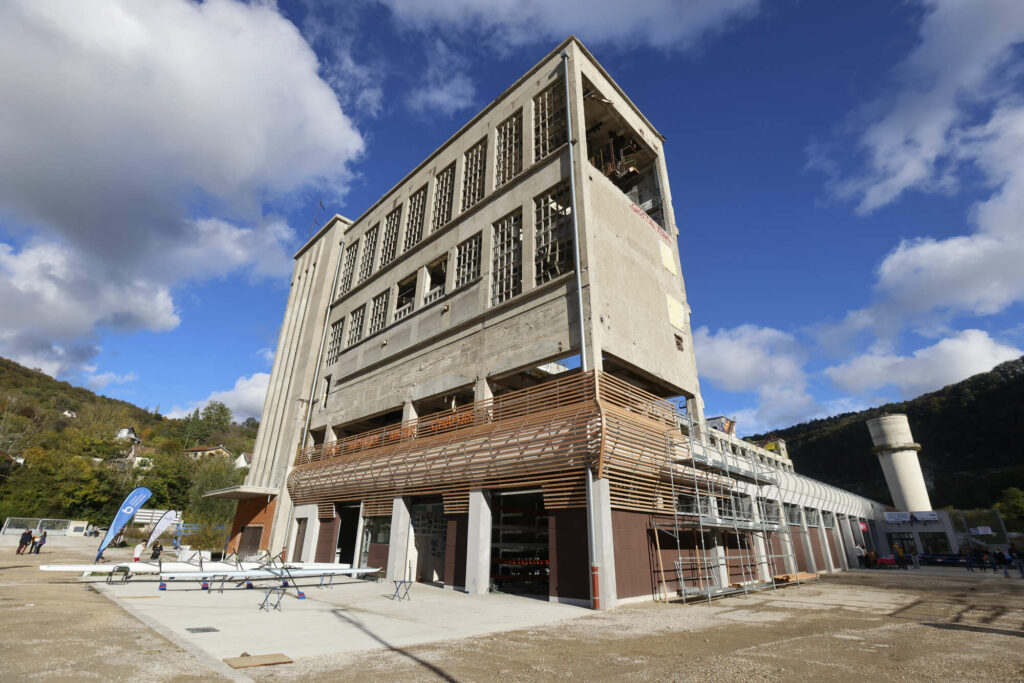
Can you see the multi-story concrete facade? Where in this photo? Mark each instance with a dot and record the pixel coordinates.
(488, 378)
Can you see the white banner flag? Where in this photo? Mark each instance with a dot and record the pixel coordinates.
(170, 517)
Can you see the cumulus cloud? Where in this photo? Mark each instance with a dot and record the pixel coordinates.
(927, 369)
(957, 110)
(664, 24)
(267, 354)
(140, 142)
(245, 399)
(760, 360)
(102, 380)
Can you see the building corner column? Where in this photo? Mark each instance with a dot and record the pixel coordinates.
(604, 543)
(398, 543)
(478, 543)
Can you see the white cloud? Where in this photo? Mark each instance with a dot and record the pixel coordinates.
(140, 141)
(927, 369)
(267, 354)
(446, 86)
(245, 399)
(665, 24)
(957, 111)
(760, 360)
(100, 381)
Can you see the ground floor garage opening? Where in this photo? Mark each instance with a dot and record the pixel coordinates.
(348, 533)
(520, 561)
(427, 554)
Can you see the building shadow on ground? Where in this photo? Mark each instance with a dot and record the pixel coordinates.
(353, 621)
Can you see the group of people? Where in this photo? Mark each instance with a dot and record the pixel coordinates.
(31, 541)
(155, 551)
(1013, 557)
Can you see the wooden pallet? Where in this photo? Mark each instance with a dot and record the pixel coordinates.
(799, 576)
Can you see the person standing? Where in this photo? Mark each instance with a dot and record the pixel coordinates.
(915, 557)
(157, 551)
(25, 541)
(1017, 558)
(859, 552)
(968, 560)
(137, 553)
(39, 543)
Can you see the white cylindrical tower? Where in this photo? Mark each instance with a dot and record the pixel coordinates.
(897, 452)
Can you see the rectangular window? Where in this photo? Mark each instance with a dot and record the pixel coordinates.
(508, 150)
(554, 233)
(369, 246)
(792, 514)
(467, 261)
(444, 190)
(355, 325)
(389, 245)
(414, 226)
(379, 312)
(507, 258)
(327, 392)
(813, 519)
(436, 275)
(549, 120)
(334, 348)
(473, 177)
(406, 297)
(349, 267)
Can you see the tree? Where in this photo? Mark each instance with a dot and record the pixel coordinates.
(210, 474)
(1011, 507)
(251, 423)
(216, 416)
(170, 479)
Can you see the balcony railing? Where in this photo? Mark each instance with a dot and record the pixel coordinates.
(434, 294)
(403, 311)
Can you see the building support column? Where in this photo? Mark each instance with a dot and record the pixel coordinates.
(718, 558)
(398, 543)
(478, 543)
(786, 534)
(760, 547)
(826, 544)
(357, 552)
(604, 542)
(846, 531)
(812, 563)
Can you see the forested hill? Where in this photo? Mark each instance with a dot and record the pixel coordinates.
(971, 435)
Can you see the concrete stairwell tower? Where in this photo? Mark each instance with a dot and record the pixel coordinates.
(897, 452)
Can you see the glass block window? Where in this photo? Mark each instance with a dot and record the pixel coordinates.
(369, 247)
(473, 178)
(355, 325)
(508, 151)
(792, 514)
(379, 311)
(389, 245)
(549, 119)
(444, 192)
(334, 347)
(467, 261)
(812, 516)
(554, 233)
(507, 258)
(348, 267)
(417, 211)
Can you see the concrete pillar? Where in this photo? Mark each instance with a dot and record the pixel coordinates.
(846, 531)
(826, 545)
(409, 413)
(604, 542)
(789, 561)
(805, 538)
(478, 544)
(358, 551)
(760, 547)
(398, 544)
(718, 561)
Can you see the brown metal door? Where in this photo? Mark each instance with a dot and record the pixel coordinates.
(250, 544)
(300, 540)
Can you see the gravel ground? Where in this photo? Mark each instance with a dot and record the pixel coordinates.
(882, 625)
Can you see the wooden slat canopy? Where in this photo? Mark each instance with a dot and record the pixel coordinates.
(542, 437)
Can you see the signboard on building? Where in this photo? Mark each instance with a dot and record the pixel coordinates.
(981, 531)
(863, 526)
(925, 516)
(897, 517)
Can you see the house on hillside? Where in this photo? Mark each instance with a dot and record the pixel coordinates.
(243, 460)
(207, 451)
(127, 434)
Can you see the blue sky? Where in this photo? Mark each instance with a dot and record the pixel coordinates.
(848, 178)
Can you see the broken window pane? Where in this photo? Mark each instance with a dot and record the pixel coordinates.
(473, 178)
(389, 245)
(549, 120)
(379, 312)
(444, 188)
(554, 241)
(349, 267)
(417, 210)
(507, 258)
(369, 246)
(508, 151)
(355, 326)
(467, 261)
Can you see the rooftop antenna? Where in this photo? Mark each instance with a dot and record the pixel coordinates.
(315, 221)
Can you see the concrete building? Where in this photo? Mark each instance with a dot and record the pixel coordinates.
(488, 380)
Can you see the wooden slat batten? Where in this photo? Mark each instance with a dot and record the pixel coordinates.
(378, 504)
(325, 510)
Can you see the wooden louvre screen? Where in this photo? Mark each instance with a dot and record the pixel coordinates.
(542, 437)
(325, 510)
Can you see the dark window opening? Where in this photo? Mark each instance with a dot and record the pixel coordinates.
(406, 300)
(436, 274)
